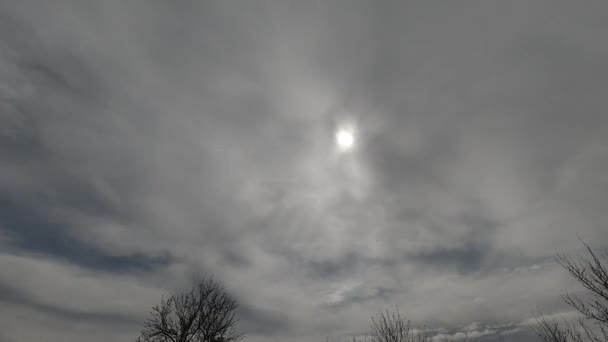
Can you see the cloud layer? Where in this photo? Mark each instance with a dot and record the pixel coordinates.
(144, 142)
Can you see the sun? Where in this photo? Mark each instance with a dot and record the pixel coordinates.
(345, 139)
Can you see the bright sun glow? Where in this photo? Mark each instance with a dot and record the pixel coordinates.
(345, 139)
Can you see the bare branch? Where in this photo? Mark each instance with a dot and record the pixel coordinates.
(205, 313)
(392, 327)
(592, 274)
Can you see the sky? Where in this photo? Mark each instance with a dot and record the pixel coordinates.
(143, 143)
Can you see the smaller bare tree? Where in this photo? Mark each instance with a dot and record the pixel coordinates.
(556, 330)
(392, 327)
(592, 274)
(205, 313)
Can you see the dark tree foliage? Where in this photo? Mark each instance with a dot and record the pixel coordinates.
(592, 273)
(206, 313)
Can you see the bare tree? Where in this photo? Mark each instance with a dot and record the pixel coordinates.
(592, 274)
(392, 327)
(205, 313)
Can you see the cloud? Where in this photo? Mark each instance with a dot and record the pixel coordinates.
(143, 143)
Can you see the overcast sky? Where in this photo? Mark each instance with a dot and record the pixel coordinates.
(144, 142)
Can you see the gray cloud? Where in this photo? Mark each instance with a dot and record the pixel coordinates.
(12, 296)
(143, 142)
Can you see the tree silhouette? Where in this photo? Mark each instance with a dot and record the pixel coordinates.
(205, 313)
(592, 273)
(392, 327)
